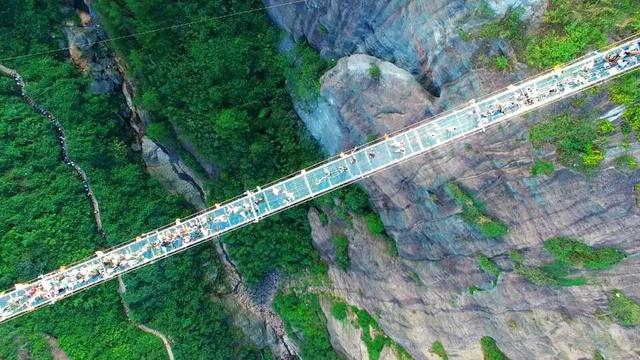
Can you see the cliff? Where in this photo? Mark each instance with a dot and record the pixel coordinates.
(422, 295)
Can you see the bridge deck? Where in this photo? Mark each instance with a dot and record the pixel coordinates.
(333, 173)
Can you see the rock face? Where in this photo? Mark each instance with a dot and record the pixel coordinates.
(422, 296)
(171, 171)
(422, 37)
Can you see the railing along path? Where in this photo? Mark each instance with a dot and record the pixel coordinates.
(333, 173)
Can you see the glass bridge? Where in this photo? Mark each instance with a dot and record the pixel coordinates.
(348, 167)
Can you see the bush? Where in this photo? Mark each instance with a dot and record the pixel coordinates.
(579, 254)
(438, 349)
(577, 141)
(487, 265)
(474, 214)
(339, 310)
(374, 223)
(341, 246)
(624, 308)
(502, 62)
(306, 324)
(542, 167)
(375, 72)
(490, 349)
(626, 162)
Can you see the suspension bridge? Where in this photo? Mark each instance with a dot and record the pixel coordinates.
(343, 169)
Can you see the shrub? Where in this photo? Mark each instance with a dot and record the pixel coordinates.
(438, 349)
(624, 308)
(474, 214)
(502, 62)
(626, 161)
(341, 246)
(516, 256)
(374, 223)
(579, 254)
(375, 72)
(487, 265)
(490, 349)
(542, 167)
(339, 310)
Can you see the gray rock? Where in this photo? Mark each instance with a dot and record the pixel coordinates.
(172, 173)
(422, 296)
(422, 37)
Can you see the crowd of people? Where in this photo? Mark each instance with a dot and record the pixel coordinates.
(51, 287)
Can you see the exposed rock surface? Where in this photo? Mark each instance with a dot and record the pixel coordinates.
(422, 37)
(172, 172)
(422, 296)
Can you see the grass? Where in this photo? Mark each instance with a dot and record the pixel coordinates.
(341, 246)
(579, 254)
(624, 308)
(490, 349)
(516, 256)
(438, 349)
(474, 213)
(541, 167)
(510, 26)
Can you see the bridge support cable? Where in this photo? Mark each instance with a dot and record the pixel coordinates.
(346, 168)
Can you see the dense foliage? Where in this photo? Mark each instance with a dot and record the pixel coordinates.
(571, 27)
(624, 309)
(487, 265)
(47, 221)
(220, 88)
(474, 213)
(341, 247)
(578, 143)
(306, 324)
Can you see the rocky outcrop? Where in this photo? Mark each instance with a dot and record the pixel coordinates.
(174, 175)
(422, 37)
(422, 295)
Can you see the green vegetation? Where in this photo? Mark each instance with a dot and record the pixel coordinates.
(341, 246)
(490, 350)
(374, 223)
(502, 62)
(488, 266)
(374, 72)
(571, 27)
(339, 310)
(569, 255)
(46, 220)
(474, 213)
(578, 143)
(305, 324)
(624, 308)
(579, 254)
(303, 73)
(541, 167)
(373, 337)
(238, 117)
(626, 162)
(597, 355)
(510, 27)
(516, 256)
(438, 349)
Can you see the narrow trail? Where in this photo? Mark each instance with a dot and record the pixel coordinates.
(87, 189)
(122, 289)
(64, 150)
